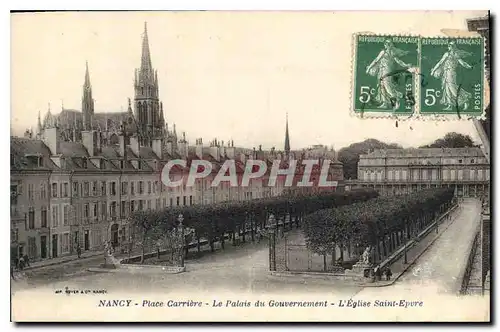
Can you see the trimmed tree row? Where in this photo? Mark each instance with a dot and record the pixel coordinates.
(214, 221)
(384, 223)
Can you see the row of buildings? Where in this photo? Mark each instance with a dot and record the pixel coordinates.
(80, 176)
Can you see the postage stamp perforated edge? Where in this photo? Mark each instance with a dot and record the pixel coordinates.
(451, 116)
(378, 115)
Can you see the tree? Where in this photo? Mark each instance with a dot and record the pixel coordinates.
(451, 140)
(143, 225)
(349, 156)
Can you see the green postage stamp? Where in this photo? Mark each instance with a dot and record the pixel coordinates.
(384, 74)
(452, 71)
(417, 76)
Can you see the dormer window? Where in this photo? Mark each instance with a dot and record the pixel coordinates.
(139, 165)
(84, 162)
(122, 164)
(101, 164)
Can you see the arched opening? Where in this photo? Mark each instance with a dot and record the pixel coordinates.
(114, 235)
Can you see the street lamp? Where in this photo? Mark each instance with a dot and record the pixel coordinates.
(181, 228)
(406, 240)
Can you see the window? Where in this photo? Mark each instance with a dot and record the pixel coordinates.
(13, 195)
(14, 235)
(141, 187)
(190, 199)
(94, 208)
(132, 206)
(446, 174)
(54, 190)
(149, 203)
(460, 161)
(84, 162)
(65, 215)
(178, 200)
(132, 188)
(141, 205)
(112, 209)
(112, 188)
(472, 161)
(480, 174)
(155, 187)
(157, 204)
(404, 175)
(86, 189)
(65, 243)
(472, 174)
(123, 211)
(31, 246)
(164, 202)
(487, 174)
(124, 188)
(184, 200)
(94, 188)
(31, 191)
(460, 174)
(171, 201)
(75, 189)
(149, 187)
(31, 218)
(55, 216)
(86, 210)
(390, 175)
(396, 175)
(103, 188)
(452, 175)
(104, 209)
(43, 217)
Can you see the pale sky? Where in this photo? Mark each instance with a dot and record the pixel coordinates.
(230, 75)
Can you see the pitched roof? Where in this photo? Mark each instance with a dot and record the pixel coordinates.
(22, 148)
(425, 152)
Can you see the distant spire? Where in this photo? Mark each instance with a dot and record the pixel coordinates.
(129, 110)
(287, 137)
(146, 67)
(39, 124)
(86, 84)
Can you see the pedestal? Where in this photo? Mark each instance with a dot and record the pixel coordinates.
(362, 270)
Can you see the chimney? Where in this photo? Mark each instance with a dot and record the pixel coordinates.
(52, 140)
(158, 147)
(134, 145)
(89, 142)
(222, 150)
(199, 148)
(230, 150)
(182, 146)
(122, 145)
(214, 150)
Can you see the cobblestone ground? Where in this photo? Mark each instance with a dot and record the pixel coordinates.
(240, 269)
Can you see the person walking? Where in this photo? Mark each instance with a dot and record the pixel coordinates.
(26, 260)
(388, 273)
(12, 272)
(78, 250)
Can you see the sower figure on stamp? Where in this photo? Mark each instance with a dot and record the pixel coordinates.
(383, 67)
(446, 71)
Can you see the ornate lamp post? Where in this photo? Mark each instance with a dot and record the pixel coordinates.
(272, 243)
(181, 229)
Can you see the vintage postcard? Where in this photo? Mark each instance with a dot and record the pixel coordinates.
(185, 166)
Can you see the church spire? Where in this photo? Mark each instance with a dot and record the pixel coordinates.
(287, 138)
(146, 67)
(87, 101)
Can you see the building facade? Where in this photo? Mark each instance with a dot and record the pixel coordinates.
(399, 171)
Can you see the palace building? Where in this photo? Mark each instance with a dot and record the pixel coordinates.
(398, 171)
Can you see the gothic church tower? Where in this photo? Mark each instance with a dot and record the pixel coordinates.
(146, 101)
